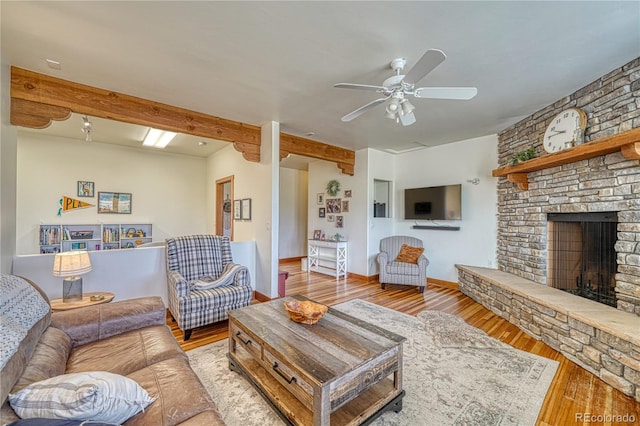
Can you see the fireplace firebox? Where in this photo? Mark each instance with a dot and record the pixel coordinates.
(582, 256)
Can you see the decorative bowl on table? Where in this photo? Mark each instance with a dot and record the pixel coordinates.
(305, 312)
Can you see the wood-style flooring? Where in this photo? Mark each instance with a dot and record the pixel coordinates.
(574, 394)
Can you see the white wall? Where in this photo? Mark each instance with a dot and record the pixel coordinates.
(382, 166)
(129, 273)
(293, 213)
(8, 174)
(354, 221)
(251, 180)
(475, 243)
(168, 190)
(361, 210)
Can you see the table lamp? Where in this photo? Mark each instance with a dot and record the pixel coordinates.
(71, 264)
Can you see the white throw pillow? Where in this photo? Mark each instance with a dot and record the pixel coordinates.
(94, 395)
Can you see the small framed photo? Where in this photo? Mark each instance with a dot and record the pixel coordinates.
(347, 193)
(320, 198)
(333, 205)
(331, 218)
(339, 221)
(321, 212)
(237, 209)
(85, 188)
(345, 206)
(78, 246)
(317, 234)
(114, 202)
(246, 209)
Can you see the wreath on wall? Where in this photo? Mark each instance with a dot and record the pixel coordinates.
(333, 186)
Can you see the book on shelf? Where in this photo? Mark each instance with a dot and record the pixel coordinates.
(49, 235)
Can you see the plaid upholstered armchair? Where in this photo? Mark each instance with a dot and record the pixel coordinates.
(204, 283)
(402, 262)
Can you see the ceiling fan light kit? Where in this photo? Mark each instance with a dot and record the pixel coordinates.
(407, 107)
(396, 88)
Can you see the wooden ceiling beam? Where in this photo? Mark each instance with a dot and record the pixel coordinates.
(345, 159)
(36, 99)
(36, 115)
(82, 99)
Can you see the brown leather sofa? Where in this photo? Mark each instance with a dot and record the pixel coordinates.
(129, 338)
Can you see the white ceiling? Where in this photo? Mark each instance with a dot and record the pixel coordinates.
(264, 61)
(131, 135)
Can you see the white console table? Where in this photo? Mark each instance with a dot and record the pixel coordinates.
(328, 257)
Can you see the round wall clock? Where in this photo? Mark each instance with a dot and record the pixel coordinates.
(565, 130)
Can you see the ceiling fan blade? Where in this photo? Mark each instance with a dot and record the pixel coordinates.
(407, 119)
(460, 93)
(359, 87)
(363, 109)
(431, 59)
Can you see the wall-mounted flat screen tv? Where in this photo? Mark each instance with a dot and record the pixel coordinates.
(433, 203)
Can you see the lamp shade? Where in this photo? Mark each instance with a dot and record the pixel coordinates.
(71, 263)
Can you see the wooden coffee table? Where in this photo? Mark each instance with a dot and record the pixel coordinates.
(340, 371)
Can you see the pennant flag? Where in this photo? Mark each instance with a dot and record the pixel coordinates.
(68, 204)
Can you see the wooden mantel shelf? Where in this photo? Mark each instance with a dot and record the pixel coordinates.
(628, 143)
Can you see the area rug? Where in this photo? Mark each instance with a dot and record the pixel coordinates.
(454, 374)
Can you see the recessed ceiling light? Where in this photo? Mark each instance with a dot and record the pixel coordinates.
(310, 133)
(53, 64)
(158, 138)
(202, 143)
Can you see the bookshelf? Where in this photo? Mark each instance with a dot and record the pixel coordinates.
(57, 238)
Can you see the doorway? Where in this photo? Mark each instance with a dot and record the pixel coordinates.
(224, 207)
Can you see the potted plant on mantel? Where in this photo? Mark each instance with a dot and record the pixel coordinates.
(522, 156)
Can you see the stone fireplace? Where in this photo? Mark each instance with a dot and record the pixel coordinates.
(582, 256)
(606, 183)
(593, 200)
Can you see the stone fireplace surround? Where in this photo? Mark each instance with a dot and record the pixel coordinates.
(605, 183)
(602, 339)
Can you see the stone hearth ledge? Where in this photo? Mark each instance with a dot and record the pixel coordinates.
(600, 338)
(607, 318)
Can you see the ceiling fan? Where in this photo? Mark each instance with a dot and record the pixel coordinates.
(395, 89)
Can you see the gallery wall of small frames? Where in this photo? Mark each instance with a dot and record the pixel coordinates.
(332, 208)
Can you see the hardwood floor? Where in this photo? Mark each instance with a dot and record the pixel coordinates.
(573, 394)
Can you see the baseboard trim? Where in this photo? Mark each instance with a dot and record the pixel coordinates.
(290, 259)
(442, 283)
(261, 297)
(364, 278)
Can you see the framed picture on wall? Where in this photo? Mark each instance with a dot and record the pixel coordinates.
(333, 205)
(339, 221)
(85, 188)
(321, 212)
(331, 218)
(114, 202)
(345, 206)
(320, 198)
(237, 209)
(246, 209)
(347, 193)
